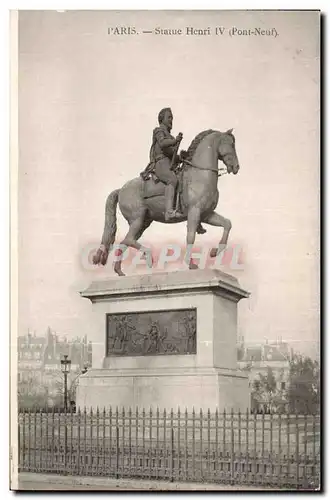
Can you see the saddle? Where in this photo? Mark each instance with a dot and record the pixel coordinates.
(153, 186)
(149, 172)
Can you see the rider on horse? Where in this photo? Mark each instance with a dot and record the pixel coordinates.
(197, 197)
(163, 159)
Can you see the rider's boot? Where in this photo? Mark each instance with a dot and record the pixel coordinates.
(170, 213)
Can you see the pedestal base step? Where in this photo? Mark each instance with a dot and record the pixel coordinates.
(199, 388)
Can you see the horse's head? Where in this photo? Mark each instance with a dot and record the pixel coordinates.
(227, 152)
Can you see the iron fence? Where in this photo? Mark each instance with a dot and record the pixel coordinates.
(236, 448)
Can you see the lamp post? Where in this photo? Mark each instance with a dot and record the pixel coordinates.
(75, 381)
(65, 366)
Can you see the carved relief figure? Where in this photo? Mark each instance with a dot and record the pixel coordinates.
(153, 339)
(189, 332)
(122, 333)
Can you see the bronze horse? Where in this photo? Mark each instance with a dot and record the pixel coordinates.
(142, 202)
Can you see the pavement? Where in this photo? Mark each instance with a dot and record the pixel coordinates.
(41, 482)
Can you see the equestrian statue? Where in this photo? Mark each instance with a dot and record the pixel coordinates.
(172, 188)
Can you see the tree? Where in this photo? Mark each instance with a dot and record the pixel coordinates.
(31, 401)
(264, 392)
(304, 388)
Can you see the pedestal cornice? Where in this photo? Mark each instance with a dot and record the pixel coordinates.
(182, 282)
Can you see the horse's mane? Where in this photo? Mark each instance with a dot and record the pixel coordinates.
(195, 143)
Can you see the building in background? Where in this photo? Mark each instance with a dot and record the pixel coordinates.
(39, 363)
(30, 361)
(256, 359)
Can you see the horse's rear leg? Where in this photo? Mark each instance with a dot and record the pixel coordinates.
(136, 229)
(193, 221)
(215, 219)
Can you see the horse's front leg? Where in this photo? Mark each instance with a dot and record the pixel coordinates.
(215, 219)
(193, 221)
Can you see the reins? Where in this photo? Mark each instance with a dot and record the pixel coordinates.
(218, 171)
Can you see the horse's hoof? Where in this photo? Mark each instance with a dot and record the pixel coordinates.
(201, 229)
(104, 258)
(97, 257)
(120, 272)
(193, 266)
(213, 253)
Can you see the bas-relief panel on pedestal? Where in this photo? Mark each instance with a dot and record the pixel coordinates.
(152, 333)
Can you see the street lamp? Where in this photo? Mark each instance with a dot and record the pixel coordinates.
(65, 366)
(75, 381)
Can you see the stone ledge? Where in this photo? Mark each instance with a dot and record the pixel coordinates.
(212, 280)
(161, 372)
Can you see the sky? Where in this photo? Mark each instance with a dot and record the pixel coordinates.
(88, 102)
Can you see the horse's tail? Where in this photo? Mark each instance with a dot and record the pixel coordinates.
(110, 228)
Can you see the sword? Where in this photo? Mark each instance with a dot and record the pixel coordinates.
(175, 152)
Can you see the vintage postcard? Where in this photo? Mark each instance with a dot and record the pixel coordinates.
(165, 242)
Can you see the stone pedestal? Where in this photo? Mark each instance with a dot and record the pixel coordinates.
(188, 360)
